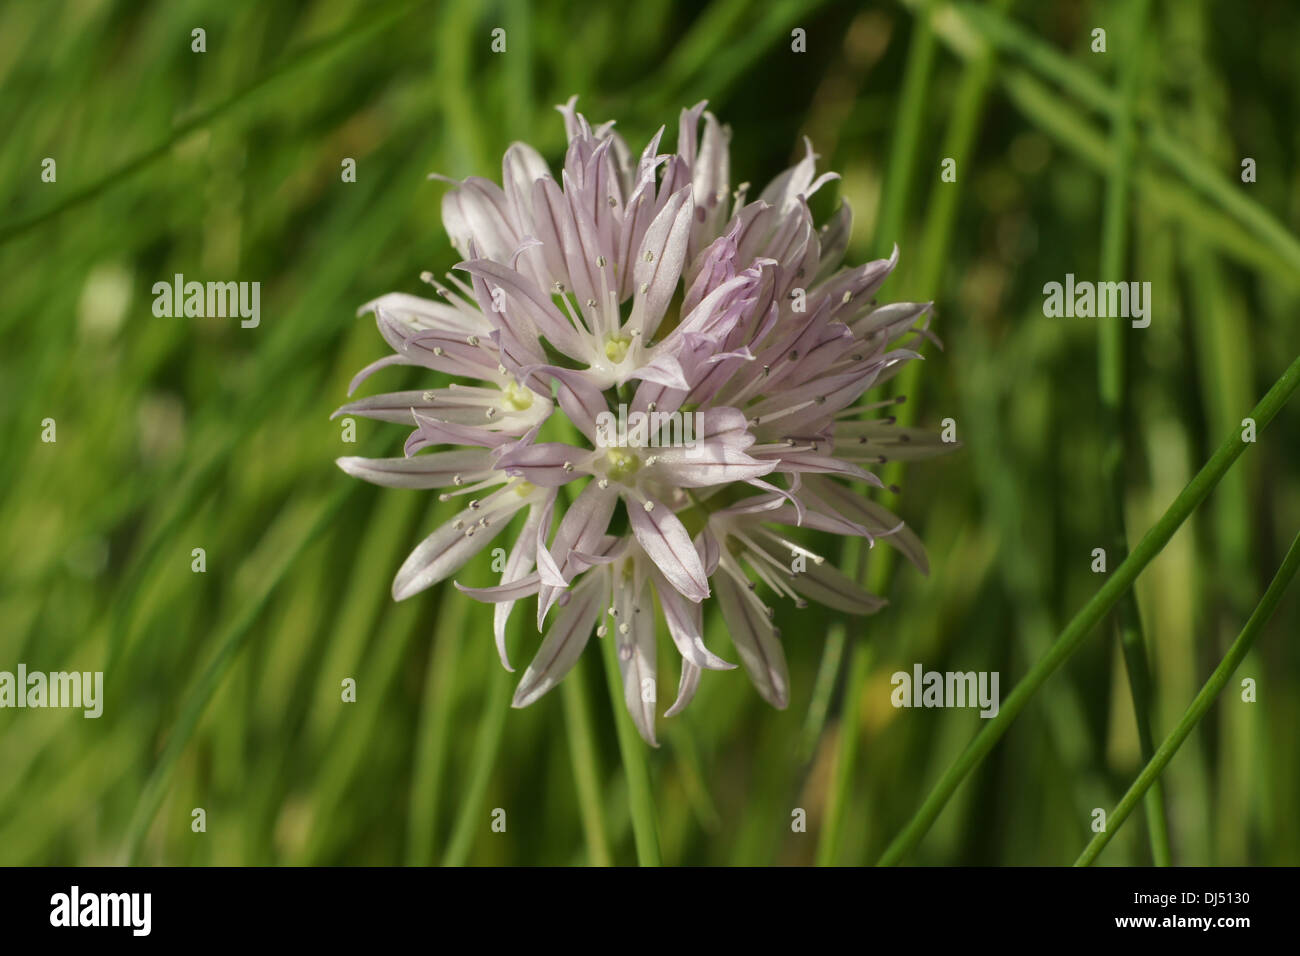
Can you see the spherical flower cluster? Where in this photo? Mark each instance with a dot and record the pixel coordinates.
(699, 358)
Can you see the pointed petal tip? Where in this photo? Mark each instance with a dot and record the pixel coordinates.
(778, 697)
(526, 693)
(646, 733)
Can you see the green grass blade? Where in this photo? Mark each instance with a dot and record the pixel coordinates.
(1113, 392)
(1198, 707)
(367, 27)
(1086, 619)
(641, 802)
(586, 772)
(902, 162)
(1043, 58)
(487, 747)
(228, 647)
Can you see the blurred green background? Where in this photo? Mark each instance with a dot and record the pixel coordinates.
(223, 688)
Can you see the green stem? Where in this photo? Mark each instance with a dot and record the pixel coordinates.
(828, 672)
(582, 747)
(472, 819)
(1112, 389)
(364, 28)
(631, 747)
(434, 730)
(829, 842)
(902, 157)
(228, 645)
(902, 160)
(582, 753)
(1007, 35)
(1197, 709)
(1087, 618)
(936, 238)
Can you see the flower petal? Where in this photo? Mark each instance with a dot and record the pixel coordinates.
(476, 211)
(876, 518)
(665, 540)
(685, 625)
(414, 314)
(756, 642)
(446, 551)
(706, 543)
(431, 431)
(827, 585)
(507, 591)
(664, 370)
(392, 407)
(709, 463)
(711, 179)
(549, 464)
(540, 313)
(582, 529)
(518, 564)
(437, 470)
(563, 643)
(635, 638)
(688, 684)
(834, 240)
(659, 262)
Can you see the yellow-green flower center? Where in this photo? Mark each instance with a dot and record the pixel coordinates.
(621, 463)
(616, 347)
(516, 397)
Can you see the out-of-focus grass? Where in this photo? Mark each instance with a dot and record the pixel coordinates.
(223, 689)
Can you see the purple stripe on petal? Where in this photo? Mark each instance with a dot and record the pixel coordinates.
(430, 431)
(423, 471)
(533, 304)
(685, 626)
(392, 407)
(563, 643)
(510, 591)
(756, 642)
(659, 261)
(709, 463)
(688, 684)
(582, 530)
(386, 362)
(446, 551)
(666, 542)
(706, 544)
(549, 464)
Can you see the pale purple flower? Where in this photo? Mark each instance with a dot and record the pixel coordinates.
(645, 283)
